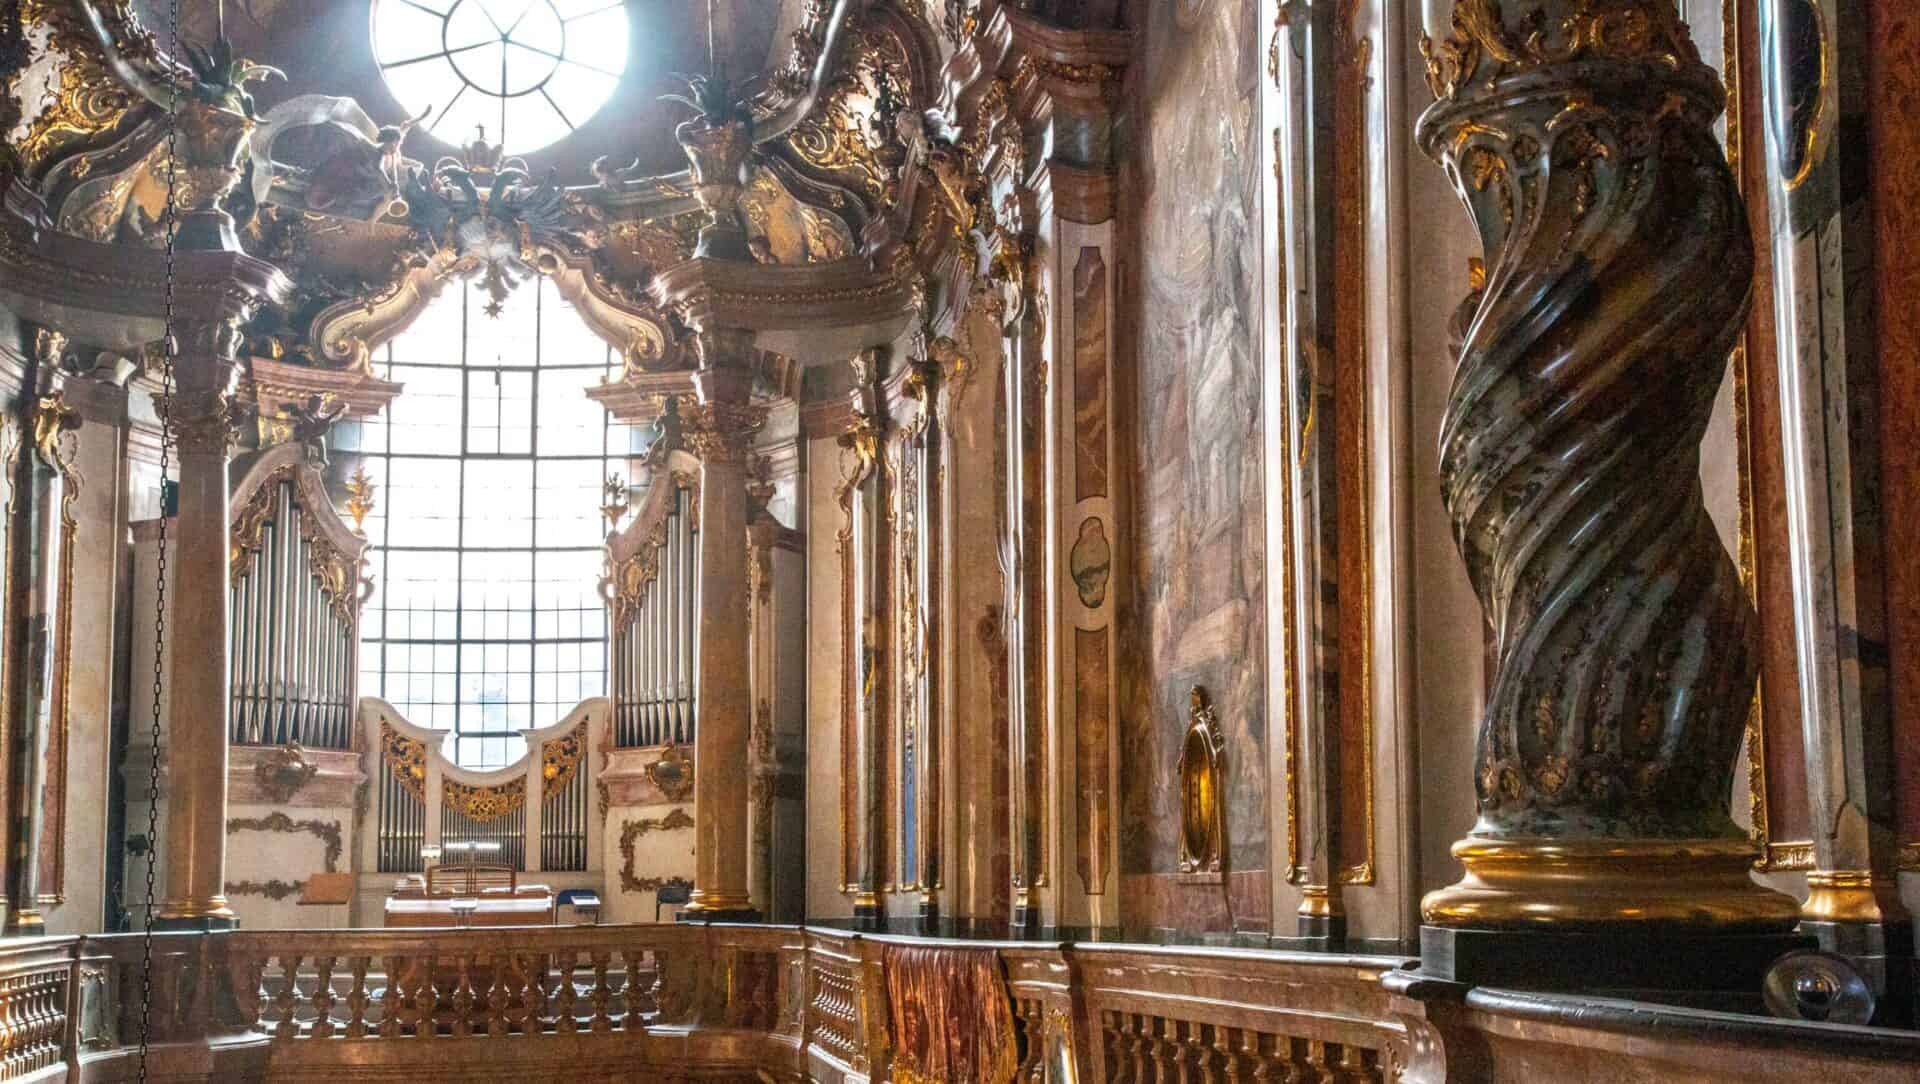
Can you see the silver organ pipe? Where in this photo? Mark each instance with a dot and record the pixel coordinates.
(292, 634)
(653, 571)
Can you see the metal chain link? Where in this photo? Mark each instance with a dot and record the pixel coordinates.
(168, 347)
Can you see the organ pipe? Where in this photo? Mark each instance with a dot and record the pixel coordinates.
(295, 607)
(653, 594)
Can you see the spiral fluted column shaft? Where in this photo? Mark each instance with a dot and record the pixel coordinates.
(1617, 274)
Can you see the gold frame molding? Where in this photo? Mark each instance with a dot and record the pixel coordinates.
(630, 833)
(1202, 776)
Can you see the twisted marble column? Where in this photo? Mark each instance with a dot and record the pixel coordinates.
(1618, 268)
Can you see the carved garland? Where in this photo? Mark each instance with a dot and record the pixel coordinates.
(485, 803)
(633, 576)
(630, 832)
(274, 888)
(327, 832)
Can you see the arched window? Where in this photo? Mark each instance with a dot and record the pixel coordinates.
(527, 71)
(486, 539)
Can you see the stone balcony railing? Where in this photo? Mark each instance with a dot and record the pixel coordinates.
(782, 1003)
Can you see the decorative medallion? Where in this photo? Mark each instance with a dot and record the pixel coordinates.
(672, 773)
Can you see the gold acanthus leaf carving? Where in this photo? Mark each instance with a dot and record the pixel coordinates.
(836, 137)
(560, 759)
(406, 758)
(485, 803)
(1485, 35)
(84, 99)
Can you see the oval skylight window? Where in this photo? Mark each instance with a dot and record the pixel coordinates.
(526, 72)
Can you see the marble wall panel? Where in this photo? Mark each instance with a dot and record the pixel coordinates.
(1197, 580)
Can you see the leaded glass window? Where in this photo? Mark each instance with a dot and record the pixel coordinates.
(526, 71)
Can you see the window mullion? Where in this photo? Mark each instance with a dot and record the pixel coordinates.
(460, 549)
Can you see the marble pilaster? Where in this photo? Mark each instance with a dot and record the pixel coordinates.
(719, 432)
(199, 416)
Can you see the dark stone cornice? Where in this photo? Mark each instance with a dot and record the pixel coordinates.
(116, 297)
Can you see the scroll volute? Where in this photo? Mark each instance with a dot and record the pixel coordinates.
(1202, 780)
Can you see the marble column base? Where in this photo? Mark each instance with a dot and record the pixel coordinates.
(198, 924)
(736, 914)
(1677, 962)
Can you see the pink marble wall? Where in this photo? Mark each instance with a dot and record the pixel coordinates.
(1200, 562)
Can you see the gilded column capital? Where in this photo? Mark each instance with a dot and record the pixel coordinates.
(722, 432)
(203, 421)
(201, 413)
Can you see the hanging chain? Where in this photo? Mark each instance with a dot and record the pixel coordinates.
(168, 346)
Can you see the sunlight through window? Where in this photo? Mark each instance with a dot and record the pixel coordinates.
(527, 72)
(486, 617)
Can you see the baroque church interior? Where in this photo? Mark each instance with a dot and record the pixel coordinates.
(952, 541)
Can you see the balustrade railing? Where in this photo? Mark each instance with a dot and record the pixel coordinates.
(39, 984)
(652, 590)
(782, 1003)
(296, 585)
(380, 985)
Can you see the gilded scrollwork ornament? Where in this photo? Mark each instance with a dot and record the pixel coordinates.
(482, 803)
(52, 420)
(1579, 134)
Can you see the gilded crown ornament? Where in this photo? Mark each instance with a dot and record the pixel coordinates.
(1618, 265)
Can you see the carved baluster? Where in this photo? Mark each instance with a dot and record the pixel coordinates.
(1142, 1035)
(523, 993)
(566, 998)
(357, 998)
(1253, 1044)
(1200, 1041)
(1314, 1060)
(495, 1004)
(543, 989)
(393, 1004)
(463, 998)
(638, 992)
(1156, 1048)
(602, 993)
(1224, 1056)
(426, 1000)
(1356, 1065)
(286, 1001)
(323, 998)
